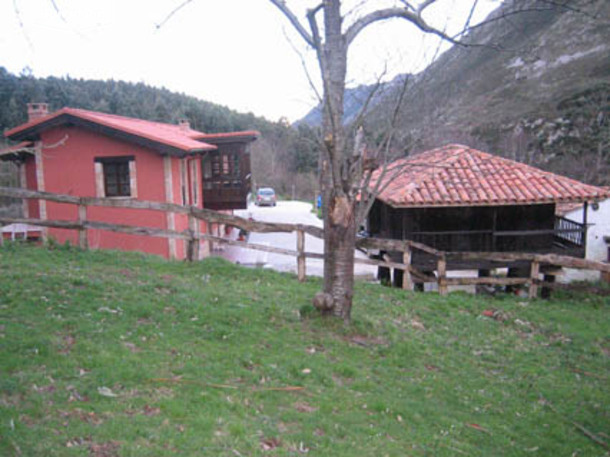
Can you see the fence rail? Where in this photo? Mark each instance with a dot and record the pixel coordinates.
(411, 275)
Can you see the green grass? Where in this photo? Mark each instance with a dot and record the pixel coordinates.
(192, 351)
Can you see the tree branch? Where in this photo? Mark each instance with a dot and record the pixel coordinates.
(281, 5)
(172, 12)
(397, 13)
(424, 5)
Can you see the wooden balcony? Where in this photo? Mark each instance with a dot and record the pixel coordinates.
(225, 195)
(226, 177)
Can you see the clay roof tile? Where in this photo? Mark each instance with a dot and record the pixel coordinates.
(456, 175)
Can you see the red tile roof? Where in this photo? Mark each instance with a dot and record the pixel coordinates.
(456, 175)
(176, 137)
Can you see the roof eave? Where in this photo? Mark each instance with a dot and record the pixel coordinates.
(30, 132)
(498, 203)
(236, 137)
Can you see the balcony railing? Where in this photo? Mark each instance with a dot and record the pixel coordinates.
(567, 235)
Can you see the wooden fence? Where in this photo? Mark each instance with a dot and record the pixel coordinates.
(192, 236)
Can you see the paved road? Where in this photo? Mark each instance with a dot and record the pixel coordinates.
(290, 212)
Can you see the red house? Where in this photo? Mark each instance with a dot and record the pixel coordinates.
(86, 153)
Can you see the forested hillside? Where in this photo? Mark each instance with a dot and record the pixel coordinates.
(282, 157)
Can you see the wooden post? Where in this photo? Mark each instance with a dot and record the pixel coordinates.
(301, 264)
(82, 233)
(442, 276)
(193, 243)
(482, 273)
(533, 292)
(407, 281)
(210, 231)
(545, 292)
(1, 235)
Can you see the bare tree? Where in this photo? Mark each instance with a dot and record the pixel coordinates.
(342, 172)
(330, 32)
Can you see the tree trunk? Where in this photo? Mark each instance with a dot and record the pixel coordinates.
(339, 214)
(339, 248)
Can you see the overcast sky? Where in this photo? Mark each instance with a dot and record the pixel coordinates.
(239, 53)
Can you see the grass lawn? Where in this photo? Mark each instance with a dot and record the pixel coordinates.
(112, 354)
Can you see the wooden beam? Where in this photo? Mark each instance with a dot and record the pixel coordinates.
(82, 233)
(169, 198)
(553, 259)
(40, 185)
(487, 281)
(193, 243)
(407, 280)
(442, 276)
(301, 263)
(394, 245)
(534, 272)
(75, 225)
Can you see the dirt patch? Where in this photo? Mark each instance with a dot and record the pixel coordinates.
(107, 449)
(68, 341)
(367, 341)
(127, 273)
(303, 407)
(132, 347)
(269, 444)
(89, 417)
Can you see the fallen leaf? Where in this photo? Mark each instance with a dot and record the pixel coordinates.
(150, 411)
(477, 427)
(105, 309)
(269, 444)
(417, 324)
(109, 449)
(106, 392)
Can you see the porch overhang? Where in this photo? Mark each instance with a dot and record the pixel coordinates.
(18, 152)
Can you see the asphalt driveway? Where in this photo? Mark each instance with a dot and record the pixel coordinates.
(285, 212)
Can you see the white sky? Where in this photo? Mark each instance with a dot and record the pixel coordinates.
(237, 53)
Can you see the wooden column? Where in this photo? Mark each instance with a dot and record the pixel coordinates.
(442, 276)
(169, 198)
(82, 233)
(40, 184)
(535, 271)
(301, 262)
(193, 243)
(585, 230)
(482, 273)
(23, 183)
(545, 292)
(407, 281)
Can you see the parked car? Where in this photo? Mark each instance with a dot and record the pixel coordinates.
(265, 196)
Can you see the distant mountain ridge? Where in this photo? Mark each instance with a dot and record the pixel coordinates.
(355, 98)
(544, 99)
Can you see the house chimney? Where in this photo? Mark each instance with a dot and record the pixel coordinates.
(184, 124)
(37, 110)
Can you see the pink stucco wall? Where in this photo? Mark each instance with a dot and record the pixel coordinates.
(69, 169)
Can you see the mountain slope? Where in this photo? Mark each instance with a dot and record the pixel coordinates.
(544, 98)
